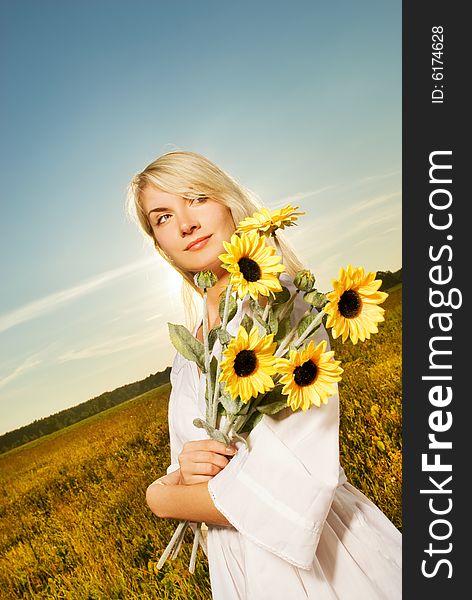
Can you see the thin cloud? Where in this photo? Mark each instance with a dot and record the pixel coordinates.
(294, 198)
(145, 304)
(49, 303)
(377, 236)
(371, 202)
(29, 363)
(113, 345)
(154, 317)
(329, 225)
(330, 233)
(380, 176)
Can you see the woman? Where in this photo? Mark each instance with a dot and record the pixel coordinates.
(282, 520)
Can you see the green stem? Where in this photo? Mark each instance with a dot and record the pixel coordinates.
(181, 526)
(214, 413)
(193, 556)
(178, 543)
(226, 308)
(242, 419)
(206, 349)
(229, 423)
(313, 325)
(239, 423)
(248, 416)
(266, 311)
(288, 338)
(288, 305)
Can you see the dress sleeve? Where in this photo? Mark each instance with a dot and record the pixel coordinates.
(278, 493)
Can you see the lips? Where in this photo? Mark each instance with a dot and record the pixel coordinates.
(197, 241)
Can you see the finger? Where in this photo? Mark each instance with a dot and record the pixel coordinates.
(206, 468)
(195, 462)
(210, 446)
(209, 457)
(194, 479)
(201, 468)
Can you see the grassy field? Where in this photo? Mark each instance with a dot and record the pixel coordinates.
(371, 411)
(73, 519)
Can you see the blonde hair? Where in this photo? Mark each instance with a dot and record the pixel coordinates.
(191, 175)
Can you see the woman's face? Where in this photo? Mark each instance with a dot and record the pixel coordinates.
(179, 225)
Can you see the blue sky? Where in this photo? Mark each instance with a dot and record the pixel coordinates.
(299, 101)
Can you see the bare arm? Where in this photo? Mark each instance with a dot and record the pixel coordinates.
(172, 478)
(184, 502)
(183, 494)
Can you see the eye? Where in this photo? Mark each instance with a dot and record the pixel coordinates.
(161, 219)
(199, 200)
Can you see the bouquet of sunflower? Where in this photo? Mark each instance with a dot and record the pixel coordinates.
(270, 364)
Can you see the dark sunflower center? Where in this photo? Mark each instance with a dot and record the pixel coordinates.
(350, 304)
(249, 268)
(245, 363)
(305, 374)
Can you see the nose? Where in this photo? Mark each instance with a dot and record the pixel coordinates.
(188, 223)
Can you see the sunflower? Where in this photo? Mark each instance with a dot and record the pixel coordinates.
(248, 364)
(352, 307)
(252, 265)
(309, 376)
(266, 222)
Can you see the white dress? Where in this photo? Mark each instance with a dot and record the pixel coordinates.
(300, 529)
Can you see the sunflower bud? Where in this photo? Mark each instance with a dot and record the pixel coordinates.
(205, 279)
(304, 280)
(315, 298)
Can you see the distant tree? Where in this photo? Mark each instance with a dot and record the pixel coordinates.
(389, 279)
(68, 416)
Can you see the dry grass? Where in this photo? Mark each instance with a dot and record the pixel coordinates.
(371, 412)
(73, 519)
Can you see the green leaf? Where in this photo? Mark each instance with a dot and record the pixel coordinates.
(247, 322)
(258, 313)
(273, 322)
(213, 367)
(304, 323)
(255, 307)
(284, 309)
(231, 406)
(273, 408)
(273, 402)
(212, 337)
(233, 306)
(272, 395)
(187, 345)
(223, 336)
(281, 297)
(315, 298)
(219, 436)
(283, 329)
(251, 422)
(244, 409)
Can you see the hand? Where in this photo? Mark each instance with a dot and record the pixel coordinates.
(173, 478)
(201, 460)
